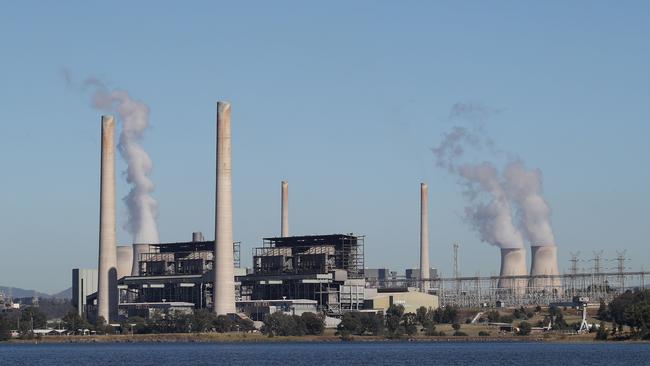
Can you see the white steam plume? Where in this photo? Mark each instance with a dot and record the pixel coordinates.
(134, 118)
(134, 115)
(492, 220)
(524, 187)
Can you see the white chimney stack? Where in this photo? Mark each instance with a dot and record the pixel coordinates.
(284, 224)
(424, 236)
(224, 271)
(107, 267)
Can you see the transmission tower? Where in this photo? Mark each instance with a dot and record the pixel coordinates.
(621, 267)
(598, 256)
(574, 262)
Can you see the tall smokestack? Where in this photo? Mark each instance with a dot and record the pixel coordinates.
(284, 224)
(138, 250)
(197, 236)
(224, 269)
(544, 262)
(424, 235)
(107, 268)
(124, 261)
(513, 263)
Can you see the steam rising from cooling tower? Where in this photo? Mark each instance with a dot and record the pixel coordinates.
(494, 196)
(489, 210)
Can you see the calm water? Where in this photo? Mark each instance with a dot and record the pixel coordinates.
(310, 354)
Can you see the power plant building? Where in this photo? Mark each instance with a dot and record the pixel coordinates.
(84, 283)
(325, 268)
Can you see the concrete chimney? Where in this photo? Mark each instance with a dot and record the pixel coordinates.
(107, 267)
(284, 222)
(197, 236)
(224, 269)
(138, 250)
(424, 236)
(124, 261)
(544, 262)
(513, 263)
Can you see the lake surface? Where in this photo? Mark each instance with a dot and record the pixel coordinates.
(310, 354)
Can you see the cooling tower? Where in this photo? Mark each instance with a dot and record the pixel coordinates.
(424, 235)
(224, 269)
(107, 267)
(284, 221)
(544, 263)
(124, 261)
(138, 250)
(513, 263)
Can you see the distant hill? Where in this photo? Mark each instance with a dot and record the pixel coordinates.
(16, 292)
(65, 294)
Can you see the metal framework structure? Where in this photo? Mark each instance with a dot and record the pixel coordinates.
(471, 292)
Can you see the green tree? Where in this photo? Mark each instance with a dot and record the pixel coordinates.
(32, 318)
(601, 334)
(524, 328)
(351, 323)
(394, 325)
(72, 321)
(603, 312)
(244, 325)
(373, 323)
(637, 316)
(5, 328)
(409, 323)
(314, 324)
(222, 324)
(281, 324)
(202, 320)
(456, 326)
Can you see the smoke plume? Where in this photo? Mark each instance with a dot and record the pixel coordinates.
(524, 187)
(134, 118)
(493, 197)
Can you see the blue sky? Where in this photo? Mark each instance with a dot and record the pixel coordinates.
(342, 100)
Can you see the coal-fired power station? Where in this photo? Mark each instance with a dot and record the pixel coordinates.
(316, 273)
(544, 263)
(513, 263)
(107, 266)
(224, 270)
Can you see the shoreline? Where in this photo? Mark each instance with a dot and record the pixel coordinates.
(259, 338)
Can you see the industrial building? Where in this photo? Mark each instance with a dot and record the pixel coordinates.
(169, 275)
(84, 283)
(325, 268)
(409, 298)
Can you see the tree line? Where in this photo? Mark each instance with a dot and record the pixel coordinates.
(631, 309)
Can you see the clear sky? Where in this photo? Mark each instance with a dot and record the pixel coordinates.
(342, 99)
